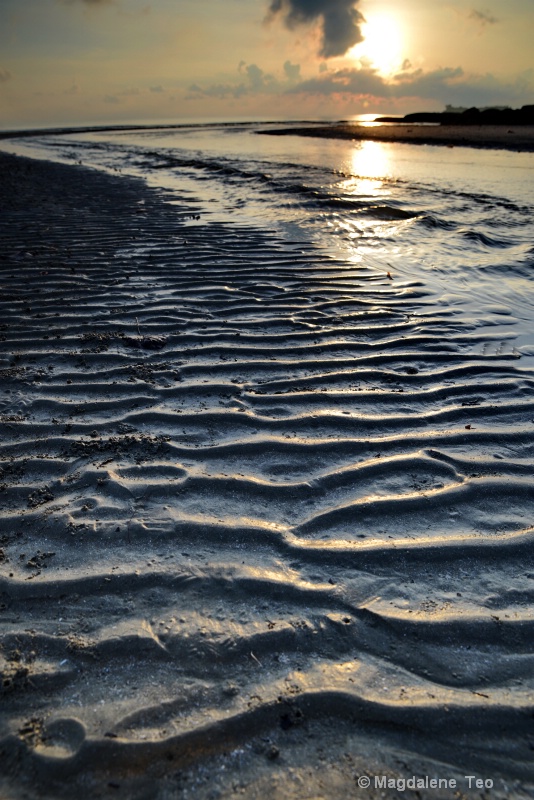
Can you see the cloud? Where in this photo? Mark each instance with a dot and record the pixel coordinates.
(339, 19)
(446, 85)
(132, 13)
(292, 71)
(111, 98)
(220, 91)
(428, 85)
(256, 77)
(363, 82)
(351, 81)
(156, 89)
(5, 75)
(366, 80)
(88, 2)
(258, 81)
(482, 18)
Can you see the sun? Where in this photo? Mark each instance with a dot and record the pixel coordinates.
(382, 44)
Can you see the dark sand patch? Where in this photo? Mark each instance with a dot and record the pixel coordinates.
(248, 561)
(515, 137)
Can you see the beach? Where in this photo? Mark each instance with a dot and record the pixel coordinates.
(266, 521)
(500, 137)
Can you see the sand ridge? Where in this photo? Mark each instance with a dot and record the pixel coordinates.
(266, 515)
(498, 137)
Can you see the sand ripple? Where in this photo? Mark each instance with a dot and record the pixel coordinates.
(248, 491)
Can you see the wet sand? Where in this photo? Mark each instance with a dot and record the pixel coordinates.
(266, 516)
(518, 137)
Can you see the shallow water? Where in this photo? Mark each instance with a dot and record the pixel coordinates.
(457, 220)
(308, 498)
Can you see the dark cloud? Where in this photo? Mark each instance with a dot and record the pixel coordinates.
(112, 99)
(156, 89)
(340, 21)
(483, 18)
(4, 75)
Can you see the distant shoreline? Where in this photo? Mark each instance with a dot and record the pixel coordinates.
(519, 138)
(65, 130)
(493, 137)
(512, 117)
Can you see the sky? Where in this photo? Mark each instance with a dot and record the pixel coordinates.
(73, 62)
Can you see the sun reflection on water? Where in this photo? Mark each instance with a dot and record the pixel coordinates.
(371, 216)
(370, 160)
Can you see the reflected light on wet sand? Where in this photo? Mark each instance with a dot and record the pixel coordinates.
(366, 120)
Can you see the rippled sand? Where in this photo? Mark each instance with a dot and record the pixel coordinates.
(267, 518)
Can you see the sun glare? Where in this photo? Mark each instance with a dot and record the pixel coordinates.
(370, 160)
(382, 45)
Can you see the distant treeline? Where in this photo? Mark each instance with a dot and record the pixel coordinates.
(471, 116)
